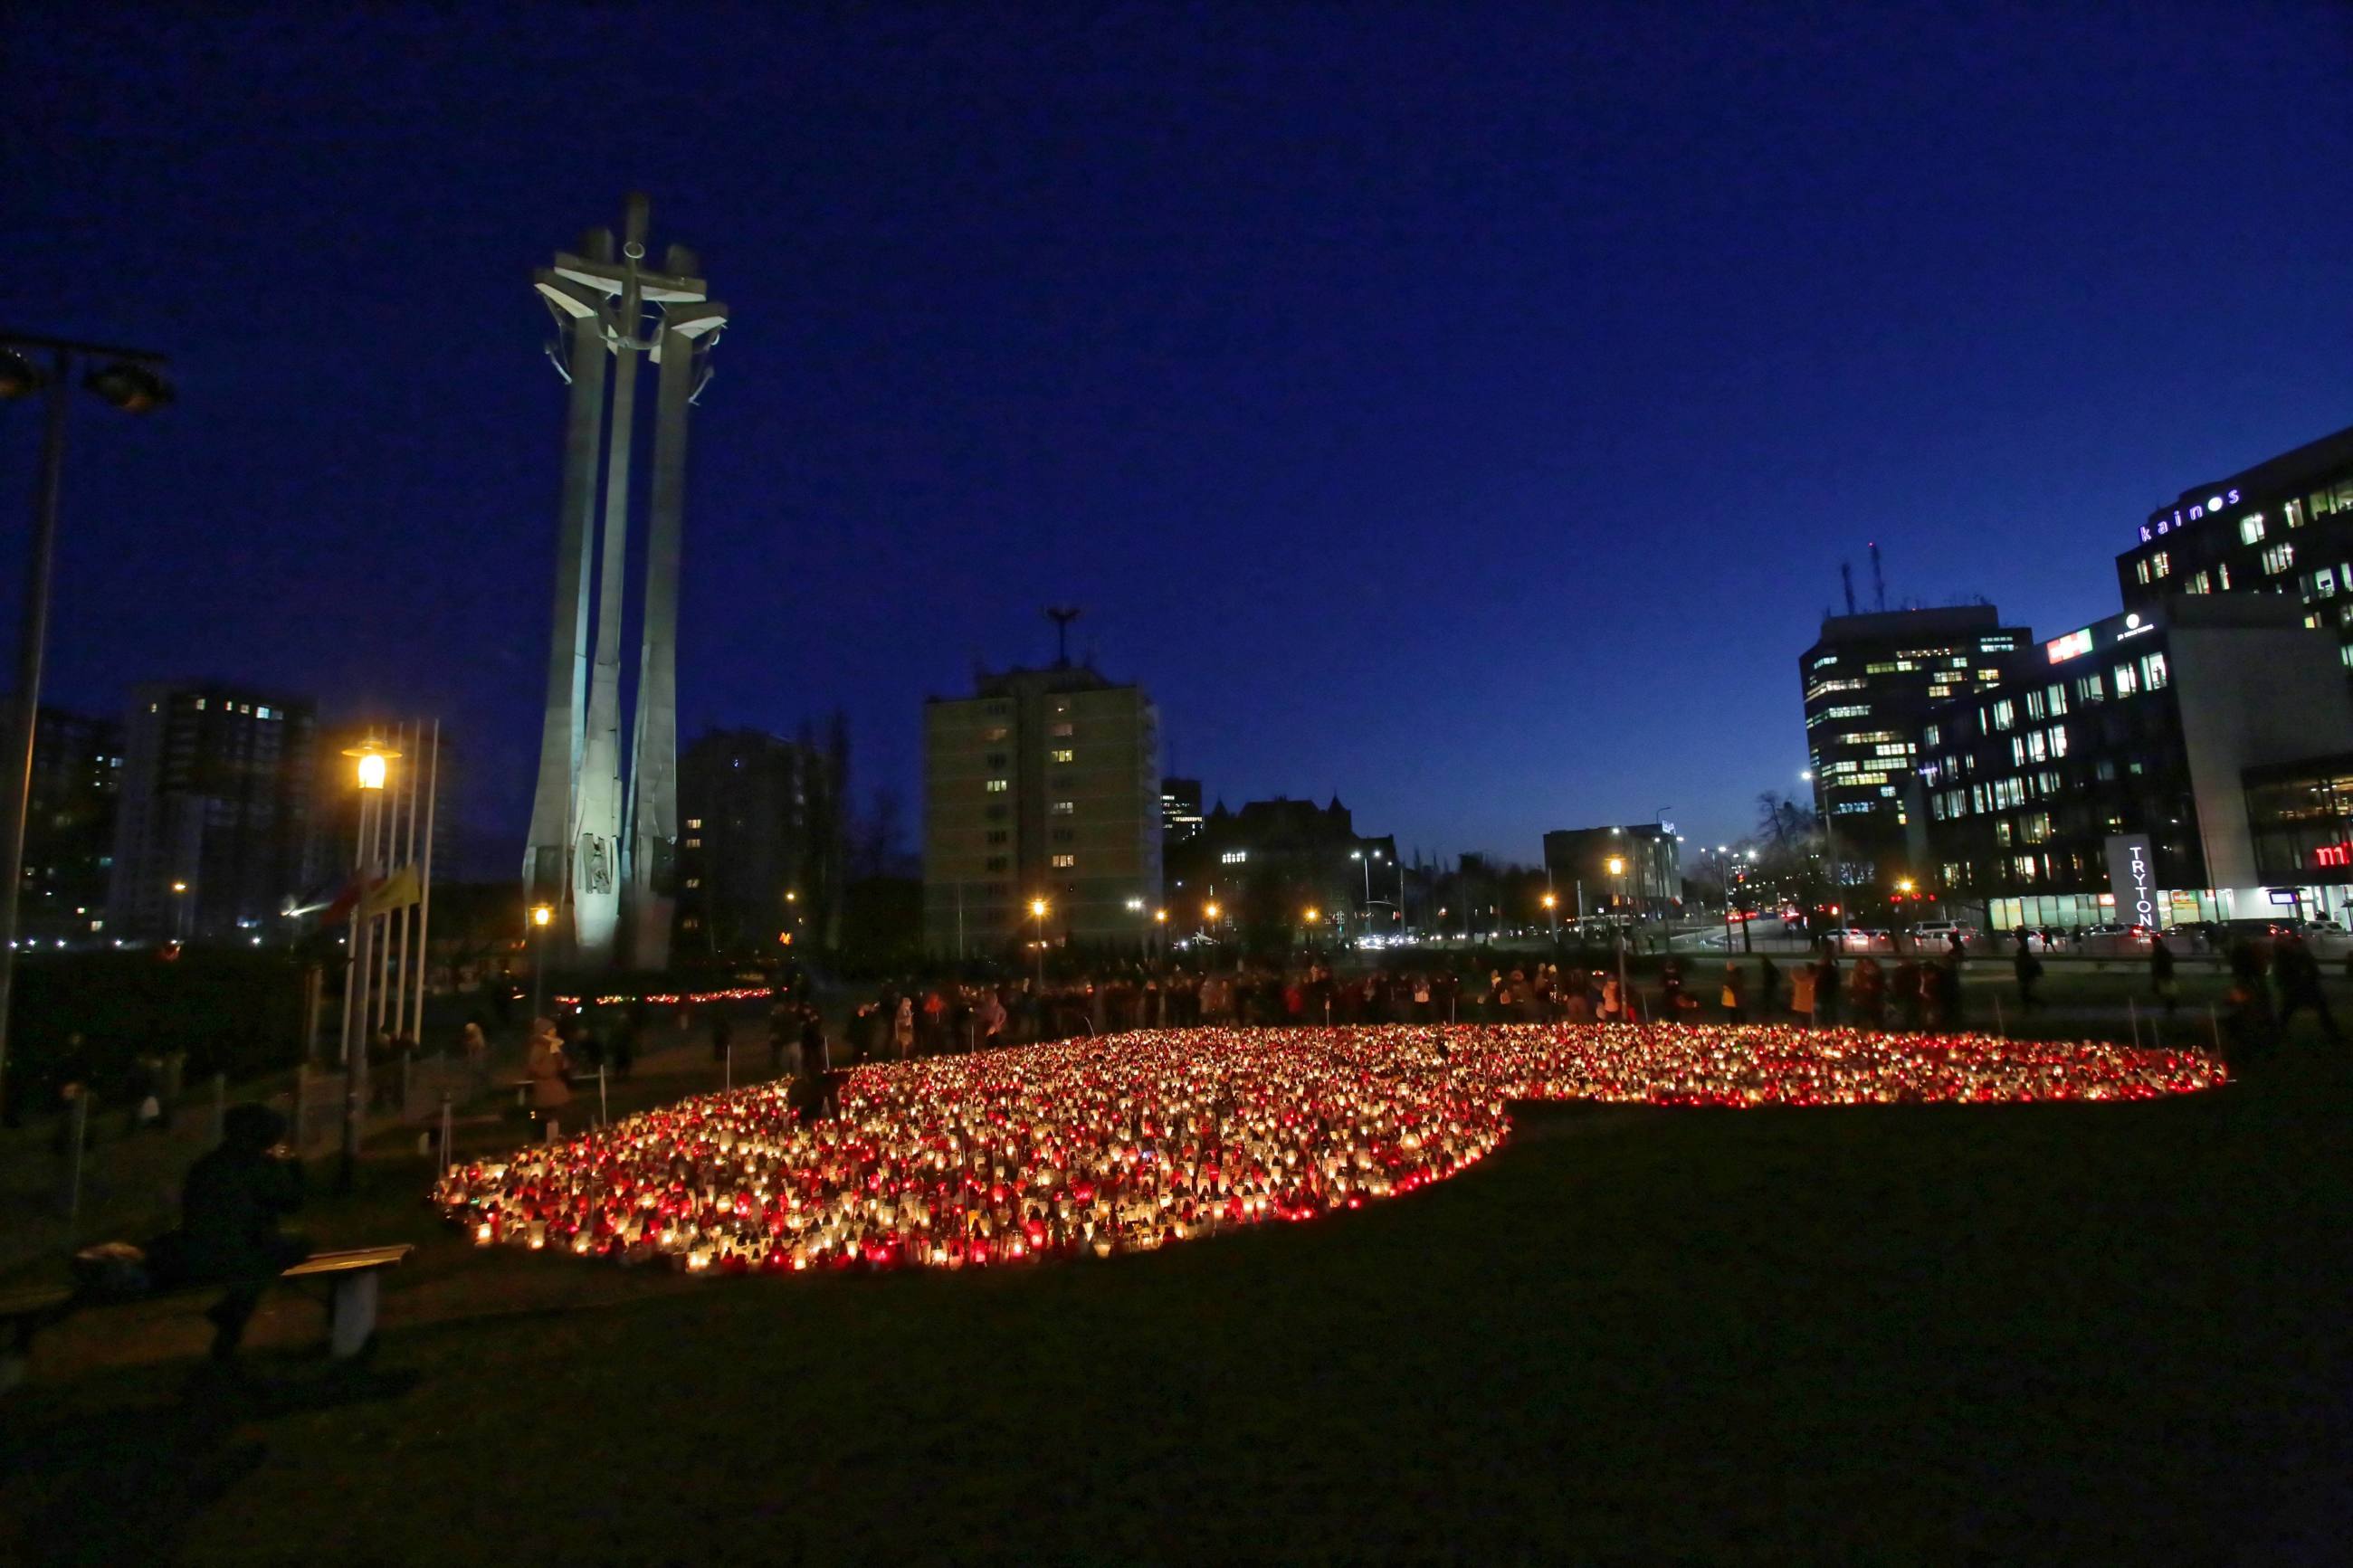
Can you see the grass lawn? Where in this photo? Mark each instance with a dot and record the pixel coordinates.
(1904, 1334)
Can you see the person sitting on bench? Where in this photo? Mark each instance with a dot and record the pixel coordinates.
(229, 1219)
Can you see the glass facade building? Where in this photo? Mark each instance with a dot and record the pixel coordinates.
(1870, 681)
(2144, 726)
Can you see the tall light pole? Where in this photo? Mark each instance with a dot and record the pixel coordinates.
(541, 917)
(1552, 920)
(1616, 866)
(370, 766)
(1830, 836)
(132, 381)
(1037, 906)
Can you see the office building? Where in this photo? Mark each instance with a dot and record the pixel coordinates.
(213, 833)
(1634, 866)
(70, 827)
(1180, 810)
(1268, 863)
(760, 845)
(2283, 527)
(2111, 781)
(1869, 682)
(1043, 785)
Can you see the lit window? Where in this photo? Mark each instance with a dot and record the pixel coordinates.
(1062, 754)
(2251, 529)
(200, 704)
(2323, 582)
(1065, 807)
(996, 787)
(2153, 672)
(996, 733)
(694, 821)
(1065, 862)
(2279, 557)
(694, 843)
(2161, 564)
(694, 881)
(2295, 514)
(1234, 857)
(2222, 576)
(2128, 681)
(1059, 730)
(2140, 570)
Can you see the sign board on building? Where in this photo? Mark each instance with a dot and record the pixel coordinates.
(2282, 895)
(2133, 878)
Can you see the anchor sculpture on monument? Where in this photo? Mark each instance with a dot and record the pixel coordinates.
(603, 852)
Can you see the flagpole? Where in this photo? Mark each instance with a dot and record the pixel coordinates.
(387, 835)
(407, 859)
(354, 984)
(425, 885)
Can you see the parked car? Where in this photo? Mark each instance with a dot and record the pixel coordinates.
(1937, 938)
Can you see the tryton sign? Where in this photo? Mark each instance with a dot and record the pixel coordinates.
(2133, 876)
(2183, 516)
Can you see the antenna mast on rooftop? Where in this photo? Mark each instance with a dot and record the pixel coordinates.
(1063, 615)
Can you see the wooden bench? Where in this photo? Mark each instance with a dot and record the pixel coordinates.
(351, 1277)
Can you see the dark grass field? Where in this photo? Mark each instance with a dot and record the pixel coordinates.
(2091, 1334)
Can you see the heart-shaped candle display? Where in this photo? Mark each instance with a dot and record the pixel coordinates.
(1124, 1144)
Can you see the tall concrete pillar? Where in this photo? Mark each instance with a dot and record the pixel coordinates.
(605, 859)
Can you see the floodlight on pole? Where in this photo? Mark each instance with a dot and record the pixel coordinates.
(131, 380)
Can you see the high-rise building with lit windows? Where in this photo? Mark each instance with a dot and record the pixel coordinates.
(1869, 682)
(2158, 738)
(1043, 785)
(213, 833)
(2282, 527)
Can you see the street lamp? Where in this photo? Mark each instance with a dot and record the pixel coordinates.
(1038, 908)
(1617, 869)
(371, 764)
(541, 917)
(1552, 920)
(129, 380)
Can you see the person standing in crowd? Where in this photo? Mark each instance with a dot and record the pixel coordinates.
(903, 1029)
(1828, 982)
(544, 1064)
(1768, 985)
(782, 1026)
(1945, 981)
(1870, 992)
(1906, 987)
(722, 1039)
(2029, 970)
(475, 1046)
(626, 1037)
(810, 1055)
(1736, 1010)
(2161, 973)
(2297, 975)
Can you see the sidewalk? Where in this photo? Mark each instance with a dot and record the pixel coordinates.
(130, 1182)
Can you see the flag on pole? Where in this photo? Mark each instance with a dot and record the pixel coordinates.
(398, 891)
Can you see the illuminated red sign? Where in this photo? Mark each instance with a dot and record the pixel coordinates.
(2332, 855)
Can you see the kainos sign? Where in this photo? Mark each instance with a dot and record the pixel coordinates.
(2133, 877)
(2183, 516)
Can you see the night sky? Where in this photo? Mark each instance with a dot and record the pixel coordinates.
(1462, 407)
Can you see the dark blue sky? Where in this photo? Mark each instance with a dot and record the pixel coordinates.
(1465, 407)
